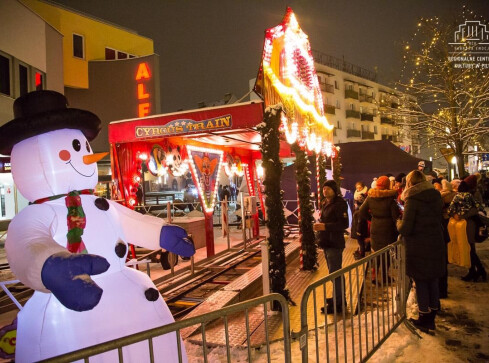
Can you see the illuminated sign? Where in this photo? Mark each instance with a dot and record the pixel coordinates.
(143, 74)
(183, 126)
(5, 166)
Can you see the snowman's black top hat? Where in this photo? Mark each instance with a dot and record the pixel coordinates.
(39, 112)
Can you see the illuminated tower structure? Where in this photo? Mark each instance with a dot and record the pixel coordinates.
(109, 70)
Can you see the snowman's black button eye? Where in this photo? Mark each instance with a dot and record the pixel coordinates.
(87, 146)
(76, 145)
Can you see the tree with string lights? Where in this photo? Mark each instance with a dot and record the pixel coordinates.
(450, 107)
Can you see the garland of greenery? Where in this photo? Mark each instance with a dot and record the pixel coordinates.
(321, 160)
(308, 243)
(337, 169)
(275, 222)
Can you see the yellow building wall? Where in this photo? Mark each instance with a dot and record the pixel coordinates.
(97, 36)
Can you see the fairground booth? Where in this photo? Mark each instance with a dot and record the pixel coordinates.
(165, 156)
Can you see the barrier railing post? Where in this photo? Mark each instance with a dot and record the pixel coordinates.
(265, 257)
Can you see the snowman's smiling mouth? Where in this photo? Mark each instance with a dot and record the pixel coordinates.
(86, 176)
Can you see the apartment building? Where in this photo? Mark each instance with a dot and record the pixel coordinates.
(30, 59)
(357, 105)
(107, 69)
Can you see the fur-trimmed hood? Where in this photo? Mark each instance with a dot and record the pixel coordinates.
(382, 193)
(416, 189)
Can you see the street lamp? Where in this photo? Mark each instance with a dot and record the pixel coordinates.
(144, 168)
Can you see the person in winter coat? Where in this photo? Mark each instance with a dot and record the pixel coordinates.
(422, 232)
(447, 195)
(382, 206)
(465, 206)
(360, 194)
(331, 228)
(399, 185)
(359, 227)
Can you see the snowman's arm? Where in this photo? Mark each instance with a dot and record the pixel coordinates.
(30, 243)
(152, 232)
(138, 229)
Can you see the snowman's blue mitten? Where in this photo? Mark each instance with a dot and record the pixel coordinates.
(175, 239)
(67, 276)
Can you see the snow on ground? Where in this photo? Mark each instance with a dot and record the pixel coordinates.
(462, 333)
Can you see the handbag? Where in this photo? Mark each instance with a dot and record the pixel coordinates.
(481, 228)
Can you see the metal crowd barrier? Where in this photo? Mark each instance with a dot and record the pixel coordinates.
(175, 328)
(372, 311)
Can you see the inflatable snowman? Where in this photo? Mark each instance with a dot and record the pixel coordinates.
(70, 246)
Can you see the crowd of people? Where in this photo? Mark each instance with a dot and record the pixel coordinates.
(439, 221)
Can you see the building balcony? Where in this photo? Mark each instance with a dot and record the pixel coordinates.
(352, 113)
(392, 138)
(329, 109)
(325, 87)
(368, 135)
(366, 117)
(353, 133)
(386, 120)
(365, 98)
(349, 93)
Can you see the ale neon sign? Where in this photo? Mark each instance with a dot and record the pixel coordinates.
(142, 76)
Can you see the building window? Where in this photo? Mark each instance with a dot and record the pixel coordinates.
(121, 55)
(338, 104)
(375, 129)
(361, 109)
(352, 106)
(109, 54)
(4, 75)
(350, 87)
(78, 46)
(338, 125)
(336, 85)
(353, 126)
(23, 80)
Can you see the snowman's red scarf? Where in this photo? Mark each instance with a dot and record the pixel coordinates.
(76, 218)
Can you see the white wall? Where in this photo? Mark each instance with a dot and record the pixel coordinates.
(23, 34)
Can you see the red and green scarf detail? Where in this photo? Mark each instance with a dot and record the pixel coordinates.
(76, 218)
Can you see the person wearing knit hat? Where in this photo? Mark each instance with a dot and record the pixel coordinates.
(447, 195)
(464, 207)
(331, 227)
(425, 246)
(381, 205)
(383, 183)
(472, 183)
(399, 185)
(455, 183)
(374, 184)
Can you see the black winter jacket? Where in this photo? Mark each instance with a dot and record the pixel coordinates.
(334, 215)
(382, 206)
(421, 228)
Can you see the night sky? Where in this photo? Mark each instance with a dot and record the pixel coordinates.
(210, 48)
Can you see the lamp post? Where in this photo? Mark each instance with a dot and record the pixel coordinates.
(144, 168)
(454, 163)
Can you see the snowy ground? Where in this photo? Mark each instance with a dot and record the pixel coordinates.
(462, 333)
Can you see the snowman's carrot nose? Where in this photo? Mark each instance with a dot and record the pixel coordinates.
(93, 158)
